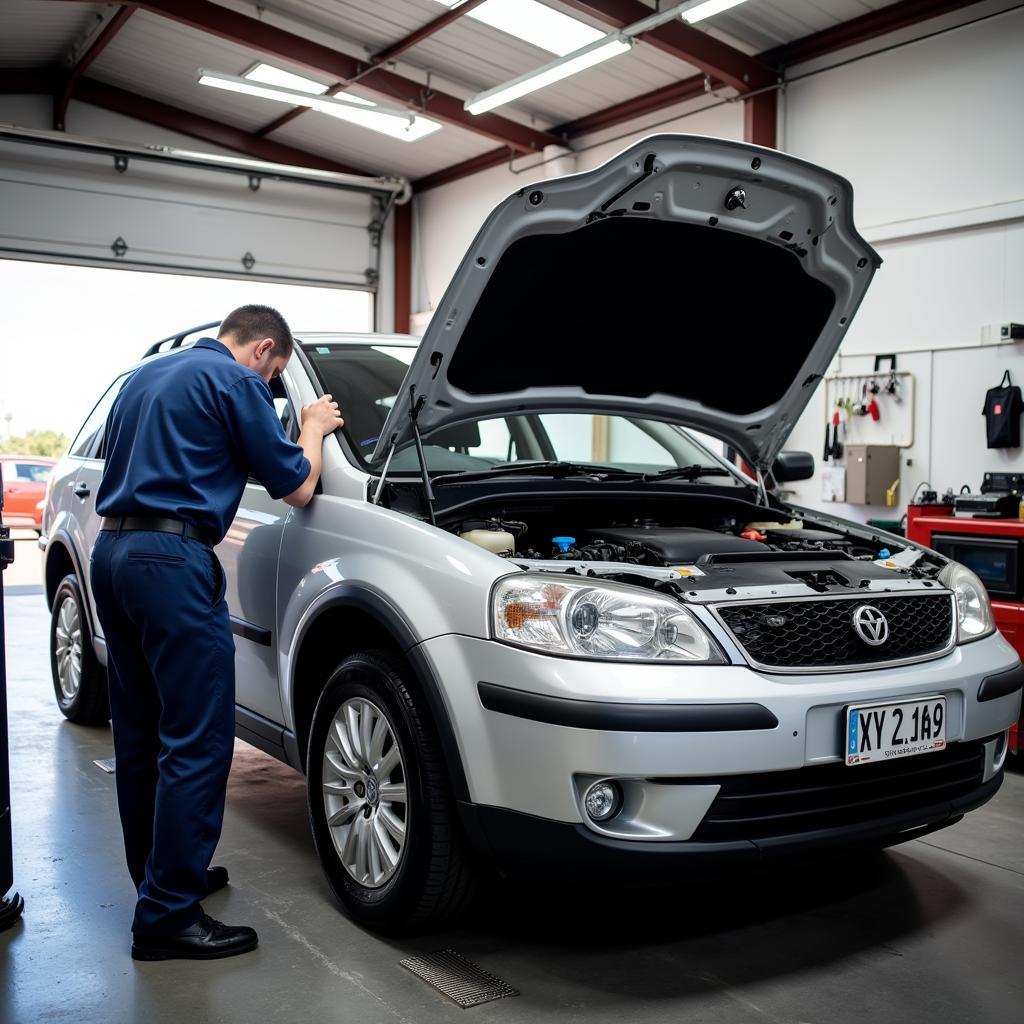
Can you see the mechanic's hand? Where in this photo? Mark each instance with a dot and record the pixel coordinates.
(323, 414)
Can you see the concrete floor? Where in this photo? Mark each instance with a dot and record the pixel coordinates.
(932, 930)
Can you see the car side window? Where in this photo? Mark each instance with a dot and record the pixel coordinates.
(89, 442)
(286, 414)
(34, 472)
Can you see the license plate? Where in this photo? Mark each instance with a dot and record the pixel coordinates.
(885, 732)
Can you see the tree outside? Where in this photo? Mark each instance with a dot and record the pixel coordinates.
(47, 443)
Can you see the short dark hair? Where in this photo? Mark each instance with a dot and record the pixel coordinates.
(251, 323)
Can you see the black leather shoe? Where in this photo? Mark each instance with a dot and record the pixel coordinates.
(216, 878)
(207, 939)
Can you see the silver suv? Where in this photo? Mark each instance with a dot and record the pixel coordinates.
(533, 618)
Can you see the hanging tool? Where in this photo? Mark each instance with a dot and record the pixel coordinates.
(835, 448)
(873, 410)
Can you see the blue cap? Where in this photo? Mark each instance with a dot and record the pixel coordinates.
(563, 543)
(885, 553)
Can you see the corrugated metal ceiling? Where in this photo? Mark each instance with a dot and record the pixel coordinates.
(159, 59)
(34, 34)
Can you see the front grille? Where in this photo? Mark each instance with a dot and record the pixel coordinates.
(803, 635)
(833, 795)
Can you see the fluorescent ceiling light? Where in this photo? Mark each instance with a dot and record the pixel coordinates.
(708, 9)
(406, 129)
(269, 75)
(571, 64)
(394, 121)
(278, 76)
(534, 23)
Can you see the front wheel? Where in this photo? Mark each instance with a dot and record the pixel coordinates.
(79, 682)
(380, 804)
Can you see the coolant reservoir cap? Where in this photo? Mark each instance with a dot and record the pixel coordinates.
(563, 543)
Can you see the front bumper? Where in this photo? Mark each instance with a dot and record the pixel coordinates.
(690, 721)
(538, 846)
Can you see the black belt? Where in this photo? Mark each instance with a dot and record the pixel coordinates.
(154, 524)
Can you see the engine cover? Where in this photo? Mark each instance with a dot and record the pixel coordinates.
(675, 544)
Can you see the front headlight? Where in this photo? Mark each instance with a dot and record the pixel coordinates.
(596, 620)
(974, 609)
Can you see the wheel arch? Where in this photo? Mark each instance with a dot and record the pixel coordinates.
(347, 618)
(60, 561)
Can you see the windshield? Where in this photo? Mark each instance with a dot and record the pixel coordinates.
(365, 379)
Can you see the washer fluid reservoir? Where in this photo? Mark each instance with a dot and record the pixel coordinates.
(499, 541)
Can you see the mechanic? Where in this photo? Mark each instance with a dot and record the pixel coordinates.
(182, 438)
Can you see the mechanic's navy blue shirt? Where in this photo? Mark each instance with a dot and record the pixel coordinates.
(184, 435)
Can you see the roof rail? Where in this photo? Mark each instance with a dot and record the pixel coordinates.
(177, 339)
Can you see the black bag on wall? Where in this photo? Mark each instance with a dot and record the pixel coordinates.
(1002, 411)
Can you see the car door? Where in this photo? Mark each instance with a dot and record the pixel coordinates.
(249, 555)
(88, 450)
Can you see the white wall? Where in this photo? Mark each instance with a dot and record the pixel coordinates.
(932, 137)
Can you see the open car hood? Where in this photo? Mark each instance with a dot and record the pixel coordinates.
(695, 280)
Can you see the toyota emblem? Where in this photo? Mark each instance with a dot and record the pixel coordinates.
(870, 625)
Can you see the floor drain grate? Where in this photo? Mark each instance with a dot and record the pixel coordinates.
(458, 978)
(105, 764)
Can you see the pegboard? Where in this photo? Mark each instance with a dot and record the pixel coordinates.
(895, 424)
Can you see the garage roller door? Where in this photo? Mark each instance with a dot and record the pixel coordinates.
(163, 210)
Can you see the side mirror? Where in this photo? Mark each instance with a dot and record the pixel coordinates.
(790, 466)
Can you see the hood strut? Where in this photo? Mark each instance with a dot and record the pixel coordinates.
(415, 404)
(762, 490)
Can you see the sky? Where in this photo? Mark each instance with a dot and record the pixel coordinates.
(66, 332)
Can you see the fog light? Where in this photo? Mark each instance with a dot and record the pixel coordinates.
(602, 801)
(1002, 746)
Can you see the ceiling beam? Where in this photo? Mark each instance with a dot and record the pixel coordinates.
(402, 283)
(715, 58)
(760, 118)
(416, 36)
(102, 40)
(637, 106)
(174, 119)
(212, 19)
(388, 53)
(859, 30)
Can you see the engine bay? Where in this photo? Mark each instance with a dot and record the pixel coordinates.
(700, 549)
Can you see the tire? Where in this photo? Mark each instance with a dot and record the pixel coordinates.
(79, 681)
(432, 879)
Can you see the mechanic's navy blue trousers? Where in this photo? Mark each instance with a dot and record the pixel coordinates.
(171, 673)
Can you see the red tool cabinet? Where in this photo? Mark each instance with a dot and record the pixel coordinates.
(994, 546)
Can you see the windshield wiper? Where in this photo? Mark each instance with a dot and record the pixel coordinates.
(693, 472)
(555, 469)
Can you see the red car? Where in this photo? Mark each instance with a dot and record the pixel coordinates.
(25, 479)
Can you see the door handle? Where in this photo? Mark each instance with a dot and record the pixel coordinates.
(81, 490)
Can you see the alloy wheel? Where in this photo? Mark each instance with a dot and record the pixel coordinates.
(68, 645)
(364, 792)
